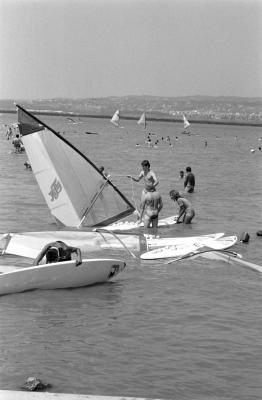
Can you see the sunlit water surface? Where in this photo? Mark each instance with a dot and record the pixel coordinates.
(190, 330)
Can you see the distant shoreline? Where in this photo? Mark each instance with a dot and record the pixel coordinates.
(162, 119)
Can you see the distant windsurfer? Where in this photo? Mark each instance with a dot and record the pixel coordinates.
(151, 205)
(186, 211)
(148, 175)
(58, 252)
(189, 182)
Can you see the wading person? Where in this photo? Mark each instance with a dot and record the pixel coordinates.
(186, 211)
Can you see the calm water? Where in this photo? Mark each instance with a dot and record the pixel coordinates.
(190, 330)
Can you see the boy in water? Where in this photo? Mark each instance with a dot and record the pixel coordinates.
(151, 205)
(58, 251)
(148, 176)
(186, 211)
(189, 182)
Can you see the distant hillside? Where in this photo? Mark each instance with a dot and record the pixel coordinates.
(207, 108)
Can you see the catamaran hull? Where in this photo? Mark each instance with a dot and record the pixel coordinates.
(58, 275)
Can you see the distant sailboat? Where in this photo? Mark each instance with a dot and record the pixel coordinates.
(78, 195)
(115, 119)
(186, 125)
(142, 120)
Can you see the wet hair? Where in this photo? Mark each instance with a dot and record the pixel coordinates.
(188, 169)
(52, 255)
(174, 193)
(145, 163)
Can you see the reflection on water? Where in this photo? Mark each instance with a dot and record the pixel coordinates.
(185, 330)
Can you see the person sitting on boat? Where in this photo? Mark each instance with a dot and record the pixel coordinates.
(189, 182)
(18, 144)
(186, 211)
(58, 252)
(148, 175)
(151, 205)
(102, 170)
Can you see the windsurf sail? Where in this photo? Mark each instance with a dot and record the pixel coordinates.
(76, 192)
(115, 119)
(142, 120)
(186, 122)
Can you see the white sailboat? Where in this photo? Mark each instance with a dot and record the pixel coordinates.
(186, 125)
(115, 119)
(142, 120)
(78, 195)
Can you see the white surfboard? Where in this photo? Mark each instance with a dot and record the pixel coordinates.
(126, 225)
(179, 250)
(58, 275)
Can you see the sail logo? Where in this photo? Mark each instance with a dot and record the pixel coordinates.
(55, 189)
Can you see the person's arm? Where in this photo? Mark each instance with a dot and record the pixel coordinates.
(78, 255)
(182, 211)
(156, 181)
(160, 204)
(141, 175)
(42, 254)
(185, 181)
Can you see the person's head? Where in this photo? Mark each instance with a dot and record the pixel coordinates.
(102, 168)
(145, 164)
(181, 174)
(17, 136)
(188, 169)
(52, 256)
(174, 194)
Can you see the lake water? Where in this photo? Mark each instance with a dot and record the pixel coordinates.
(189, 330)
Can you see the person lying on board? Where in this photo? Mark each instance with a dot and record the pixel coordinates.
(148, 175)
(186, 211)
(58, 252)
(151, 205)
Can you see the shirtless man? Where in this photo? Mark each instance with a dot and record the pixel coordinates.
(151, 205)
(148, 176)
(58, 251)
(189, 182)
(186, 211)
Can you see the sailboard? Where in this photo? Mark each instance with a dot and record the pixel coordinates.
(142, 120)
(76, 192)
(115, 119)
(186, 125)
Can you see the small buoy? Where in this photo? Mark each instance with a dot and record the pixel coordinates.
(259, 233)
(244, 238)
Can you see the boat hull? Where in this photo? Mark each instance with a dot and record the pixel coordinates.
(59, 275)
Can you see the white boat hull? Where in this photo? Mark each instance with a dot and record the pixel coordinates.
(183, 249)
(126, 226)
(58, 275)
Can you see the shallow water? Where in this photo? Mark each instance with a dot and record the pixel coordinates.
(190, 330)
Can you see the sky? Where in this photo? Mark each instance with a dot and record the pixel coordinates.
(100, 48)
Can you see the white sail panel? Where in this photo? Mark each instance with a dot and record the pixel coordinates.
(186, 122)
(115, 118)
(75, 191)
(142, 120)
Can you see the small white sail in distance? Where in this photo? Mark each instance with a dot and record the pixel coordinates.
(115, 119)
(186, 122)
(142, 120)
(76, 192)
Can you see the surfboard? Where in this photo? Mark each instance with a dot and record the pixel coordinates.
(59, 275)
(125, 225)
(182, 249)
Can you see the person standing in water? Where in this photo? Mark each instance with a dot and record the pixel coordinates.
(189, 182)
(151, 205)
(148, 175)
(186, 211)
